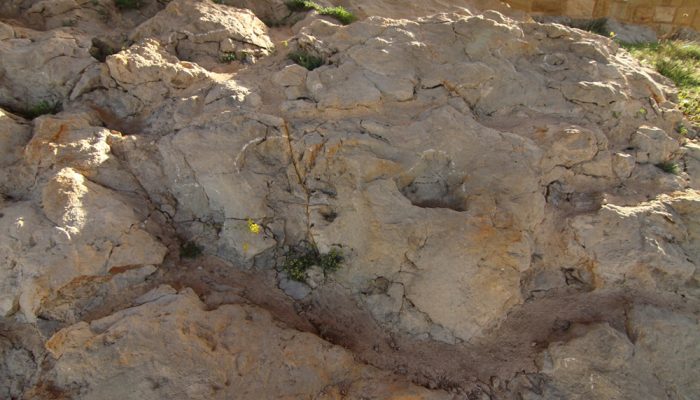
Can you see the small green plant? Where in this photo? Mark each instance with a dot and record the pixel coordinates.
(616, 114)
(682, 130)
(69, 22)
(300, 259)
(306, 60)
(190, 250)
(41, 108)
(330, 262)
(219, 1)
(642, 112)
(227, 57)
(128, 4)
(669, 167)
(343, 16)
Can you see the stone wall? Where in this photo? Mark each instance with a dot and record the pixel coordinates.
(663, 15)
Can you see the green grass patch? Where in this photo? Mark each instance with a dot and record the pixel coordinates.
(690, 104)
(669, 167)
(306, 60)
(680, 62)
(42, 108)
(342, 15)
(642, 113)
(686, 50)
(300, 259)
(680, 74)
(227, 58)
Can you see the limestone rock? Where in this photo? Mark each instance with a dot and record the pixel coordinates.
(6, 31)
(653, 145)
(15, 177)
(149, 75)
(693, 163)
(19, 366)
(590, 92)
(89, 16)
(292, 75)
(79, 234)
(14, 134)
(662, 237)
(661, 336)
(199, 29)
(395, 188)
(72, 141)
(171, 344)
(398, 10)
(623, 164)
(606, 363)
(490, 182)
(69, 13)
(271, 12)
(294, 289)
(41, 67)
(597, 364)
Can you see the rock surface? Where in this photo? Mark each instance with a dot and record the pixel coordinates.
(495, 185)
(233, 351)
(203, 32)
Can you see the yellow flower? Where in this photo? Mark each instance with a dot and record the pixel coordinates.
(613, 34)
(253, 227)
